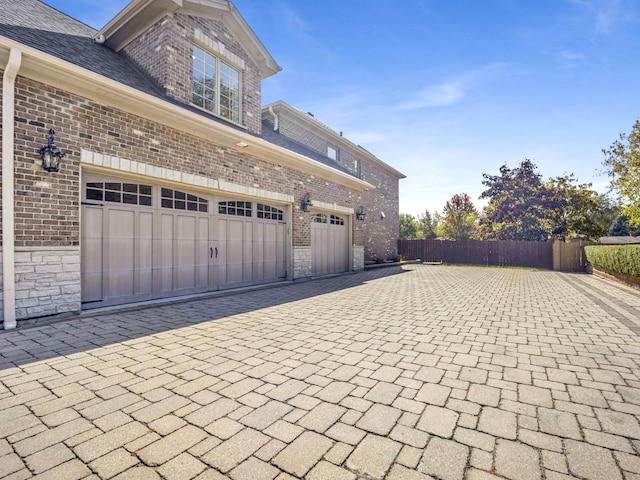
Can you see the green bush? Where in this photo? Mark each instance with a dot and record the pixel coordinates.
(617, 258)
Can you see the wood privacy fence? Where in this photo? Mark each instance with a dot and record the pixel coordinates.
(566, 257)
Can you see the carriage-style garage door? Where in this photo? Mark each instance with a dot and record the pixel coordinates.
(329, 244)
(142, 242)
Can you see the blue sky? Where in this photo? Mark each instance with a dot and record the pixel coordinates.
(446, 90)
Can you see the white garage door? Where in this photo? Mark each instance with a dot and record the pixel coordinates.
(142, 242)
(329, 244)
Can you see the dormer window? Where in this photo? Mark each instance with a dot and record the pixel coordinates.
(332, 153)
(216, 85)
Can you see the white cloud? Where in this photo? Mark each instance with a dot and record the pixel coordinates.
(455, 89)
(569, 59)
(441, 95)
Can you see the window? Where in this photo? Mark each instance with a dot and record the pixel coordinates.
(216, 85)
(116, 192)
(332, 153)
(356, 167)
(183, 201)
(241, 209)
(318, 218)
(270, 213)
(335, 220)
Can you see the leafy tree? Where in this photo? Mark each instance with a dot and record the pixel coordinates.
(459, 220)
(428, 224)
(571, 208)
(408, 227)
(607, 212)
(622, 164)
(619, 227)
(518, 199)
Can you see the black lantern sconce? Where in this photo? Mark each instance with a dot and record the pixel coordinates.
(360, 213)
(50, 154)
(305, 203)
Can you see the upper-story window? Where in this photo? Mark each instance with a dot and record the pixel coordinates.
(216, 85)
(332, 153)
(356, 167)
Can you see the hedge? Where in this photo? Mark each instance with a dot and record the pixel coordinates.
(617, 258)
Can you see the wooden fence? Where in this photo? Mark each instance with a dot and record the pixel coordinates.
(566, 257)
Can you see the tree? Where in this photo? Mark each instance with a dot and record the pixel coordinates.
(607, 212)
(459, 220)
(619, 227)
(622, 164)
(408, 227)
(518, 199)
(571, 208)
(428, 225)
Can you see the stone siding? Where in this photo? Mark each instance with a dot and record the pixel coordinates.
(358, 258)
(302, 263)
(47, 281)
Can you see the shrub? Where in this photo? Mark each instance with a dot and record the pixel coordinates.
(617, 258)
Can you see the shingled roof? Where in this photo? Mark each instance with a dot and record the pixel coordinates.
(40, 26)
(36, 24)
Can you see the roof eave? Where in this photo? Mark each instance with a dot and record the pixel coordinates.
(139, 15)
(58, 73)
(318, 126)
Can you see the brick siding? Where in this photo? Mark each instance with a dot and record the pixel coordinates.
(165, 53)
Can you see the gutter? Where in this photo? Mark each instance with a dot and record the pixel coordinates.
(47, 69)
(8, 207)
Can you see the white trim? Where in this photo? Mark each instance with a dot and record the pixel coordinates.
(110, 162)
(333, 207)
(8, 207)
(58, 73)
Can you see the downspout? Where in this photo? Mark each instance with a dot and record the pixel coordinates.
(8, 208)
(275, 119)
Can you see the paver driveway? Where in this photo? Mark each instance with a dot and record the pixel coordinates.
(430, 372)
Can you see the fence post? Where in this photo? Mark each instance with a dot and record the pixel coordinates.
(557, 255)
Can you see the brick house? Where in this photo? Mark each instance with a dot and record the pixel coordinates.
(175, 180)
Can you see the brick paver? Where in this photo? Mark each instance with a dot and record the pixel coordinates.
(427, 372)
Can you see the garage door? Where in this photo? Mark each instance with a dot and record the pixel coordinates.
(142, 242)
(329, 244)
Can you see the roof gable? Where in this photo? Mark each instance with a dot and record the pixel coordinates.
(139, 15)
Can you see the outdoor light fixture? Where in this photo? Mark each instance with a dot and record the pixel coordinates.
(305, 203)
(360, 213)
(382, 215)
(50, 154)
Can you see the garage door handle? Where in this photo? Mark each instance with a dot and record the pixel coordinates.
(216, 252)
(211, 249)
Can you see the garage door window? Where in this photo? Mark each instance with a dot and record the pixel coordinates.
(233, 207)
(117, 192)
(270, 213)
(183, 201)
(335, 220)
(318, 218)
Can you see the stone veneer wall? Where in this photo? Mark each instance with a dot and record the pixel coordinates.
(302, 265)
(358, 257)
(47, 281)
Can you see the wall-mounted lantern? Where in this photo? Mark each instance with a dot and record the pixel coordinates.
(360, 213)
(305, 203)
(50, 154)
(382, 215)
